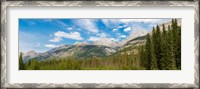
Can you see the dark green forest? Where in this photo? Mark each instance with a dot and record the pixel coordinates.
(160, 51)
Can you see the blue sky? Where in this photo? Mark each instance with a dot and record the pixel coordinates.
(41, 35)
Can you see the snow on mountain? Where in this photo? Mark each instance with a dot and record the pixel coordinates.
(135, 34)
(81, 43)
(85, 43)
(31, 54)
(106, 42)
(77, 43)
(58, 48)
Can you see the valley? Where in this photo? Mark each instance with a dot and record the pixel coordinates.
(139, 51)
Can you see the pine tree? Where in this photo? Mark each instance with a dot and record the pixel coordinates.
(158, 49)
(29, 62)
(167, 61)
(163, 50)
(153, 61)
(21, 64)
(179, 48)
(34, 64)
(172, 62)
(176, 42)
(143, 56)
(150, 55)
(154, 40)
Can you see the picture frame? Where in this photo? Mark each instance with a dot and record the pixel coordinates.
(4, 39)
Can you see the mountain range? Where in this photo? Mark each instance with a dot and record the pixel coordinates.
(100, 48)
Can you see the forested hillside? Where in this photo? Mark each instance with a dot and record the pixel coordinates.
(158, 50)
(163, 48)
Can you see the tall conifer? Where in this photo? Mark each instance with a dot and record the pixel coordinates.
(21, 64)
(172, 63)
(150, 54)
(158, 43)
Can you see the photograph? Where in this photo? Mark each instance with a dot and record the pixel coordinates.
(99, 43)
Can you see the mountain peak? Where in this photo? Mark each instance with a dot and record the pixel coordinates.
(135, 34)
(106, 42)
(81, 43)
(31, 53)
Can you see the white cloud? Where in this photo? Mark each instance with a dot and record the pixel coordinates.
(99, 35)
(56, 39)
(55, 21)
(139, 27)
(125, 25)
(102, 35)
(127, 29)
(69, 28)
(143, 20)
(60, 23)
(122, 36)
(111, 22)
(87, 24)
(120, 27)
(60, 34)
(92, 38)
(114, 30)
(71, 35)
(50, 46)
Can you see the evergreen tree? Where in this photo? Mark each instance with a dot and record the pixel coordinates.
(34, 65)
(158, 43)
(167, 60)
(21, 64)
(176, 42)
(172, 63)
(164, 52)
(143, 56)
(29, 62)
(150, 55)
(154, 40)
(179, 48)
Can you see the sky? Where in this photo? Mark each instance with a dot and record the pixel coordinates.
(42, 35)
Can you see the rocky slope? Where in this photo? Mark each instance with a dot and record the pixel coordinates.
(106, 42)
(135, 34)
(77, 51)
(29, 55)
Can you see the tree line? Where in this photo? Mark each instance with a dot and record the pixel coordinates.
(113, 62)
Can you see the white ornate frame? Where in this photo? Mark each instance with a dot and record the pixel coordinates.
(6, 4)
